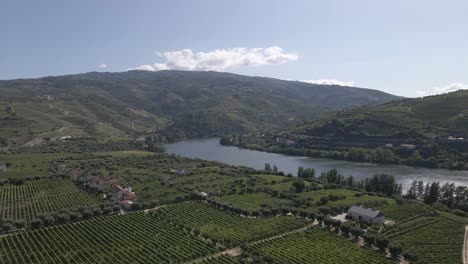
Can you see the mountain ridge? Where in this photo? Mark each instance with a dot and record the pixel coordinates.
(135, 103)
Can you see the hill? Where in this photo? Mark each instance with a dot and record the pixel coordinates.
(428, 117)
(135, 103)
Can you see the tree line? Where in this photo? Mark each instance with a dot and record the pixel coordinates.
(448, 194)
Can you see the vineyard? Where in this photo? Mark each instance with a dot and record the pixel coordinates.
(433, 239)
(222, 260)
(227, 228)
(130, 238)
(36, 197)
(317, 246)
(403, 211)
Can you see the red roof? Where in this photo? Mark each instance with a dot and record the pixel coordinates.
(126, 202)
(116, 188)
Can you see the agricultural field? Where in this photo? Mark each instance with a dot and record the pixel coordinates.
(131, 238)
(222, 260)
(317, 245)
(402, 211)
(28, 165)
(251, 201)
(226, 227)
(340, 197)
(36, 197)
(434, 239)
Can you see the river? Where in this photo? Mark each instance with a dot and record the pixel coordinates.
(210, 149)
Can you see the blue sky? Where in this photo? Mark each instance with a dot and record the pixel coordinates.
(405, 47)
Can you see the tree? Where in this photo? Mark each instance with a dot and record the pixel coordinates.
(324, 200)
(432, 194)
(420, 190)
(395, 249)
(19, 223)
(381, 242)
(345, 228)
(382, 183)
(412, 191)
(356, 232)
(409, 255)
(36, 223)
(275, 169)
(62, 218)
(48, 220)
(74, 216)
(87, 213)
(356, 154)
(298, 185)
(381, 155)
(7, 227)
(369, 238)
(320, 218)
(416, 158)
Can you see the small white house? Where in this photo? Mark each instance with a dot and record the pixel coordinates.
(3, 167)
(365, 215)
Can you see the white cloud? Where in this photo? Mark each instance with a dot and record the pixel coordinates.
(220, 59)
(102, 66)
(330, 82)
(445, 89)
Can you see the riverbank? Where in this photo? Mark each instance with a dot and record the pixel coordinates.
(211, 149)
(409, 155)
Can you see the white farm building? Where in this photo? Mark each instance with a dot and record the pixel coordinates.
(365, 215)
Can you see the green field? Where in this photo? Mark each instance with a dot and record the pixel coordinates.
(433, 239)
(226, 227)
(250, 201)
(317, 246)
(36, 197)
(130, 238)
(28, 165)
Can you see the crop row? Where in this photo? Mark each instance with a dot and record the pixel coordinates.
(439, 241)
(316, 245)
(226, 227)
(130, 238)
(36, 197)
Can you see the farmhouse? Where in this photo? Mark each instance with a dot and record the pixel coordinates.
(3, 167)
(365, 215)
(126, 204)
(123, 193)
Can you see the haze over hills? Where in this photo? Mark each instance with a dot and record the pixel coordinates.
(428, 117)
(133, 103)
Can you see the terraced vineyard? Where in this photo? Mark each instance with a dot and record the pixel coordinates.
(433, 239)
(317, 246)
(226, 227)
(130, 238)
(36, 197)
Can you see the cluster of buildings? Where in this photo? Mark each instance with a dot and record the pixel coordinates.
(124, 195)
(455, 138)
(285, 142)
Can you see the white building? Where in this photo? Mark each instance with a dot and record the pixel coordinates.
(365, 215)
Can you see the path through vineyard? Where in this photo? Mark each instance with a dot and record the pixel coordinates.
(237, 251)
(465, 247)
